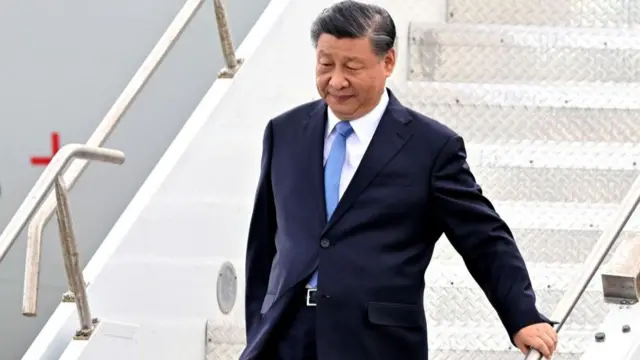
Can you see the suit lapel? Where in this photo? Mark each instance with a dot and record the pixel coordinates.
(392, 133)
(314, 134)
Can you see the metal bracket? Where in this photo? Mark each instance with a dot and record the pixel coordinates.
(621, 277)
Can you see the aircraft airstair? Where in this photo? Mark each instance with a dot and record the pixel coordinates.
(547, 96)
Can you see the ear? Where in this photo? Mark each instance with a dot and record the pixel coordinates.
(389, 62)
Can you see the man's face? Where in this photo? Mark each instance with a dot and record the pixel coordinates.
(350, 77)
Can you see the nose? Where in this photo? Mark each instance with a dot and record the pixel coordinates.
(338, 80)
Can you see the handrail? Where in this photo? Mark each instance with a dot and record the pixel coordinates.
(594, 260)
(35, 197)
(53, 174)
(108, 124)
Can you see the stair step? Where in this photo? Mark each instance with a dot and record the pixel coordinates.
(490, 355)
(225, 339)
(495, 123)
(587, 96)
(449, 306)
(569, 13)
(562, 216)
(549, 154)
(445, 343)
(554, 184)
(520, 54)
(570, 247)
(484, 113)
(491, 341)
(548, 277)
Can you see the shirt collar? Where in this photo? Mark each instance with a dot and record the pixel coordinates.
(365, 126)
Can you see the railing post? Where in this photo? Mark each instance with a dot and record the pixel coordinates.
(233, 63)
(71, 263)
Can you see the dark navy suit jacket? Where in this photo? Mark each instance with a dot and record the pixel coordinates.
(412, 185)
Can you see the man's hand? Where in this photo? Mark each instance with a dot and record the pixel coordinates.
(541, 337)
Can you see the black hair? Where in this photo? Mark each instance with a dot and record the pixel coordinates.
(354, 19)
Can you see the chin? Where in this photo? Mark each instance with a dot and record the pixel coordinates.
(339, 108)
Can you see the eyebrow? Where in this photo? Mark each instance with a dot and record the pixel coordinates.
(354, 58)
(348, 58)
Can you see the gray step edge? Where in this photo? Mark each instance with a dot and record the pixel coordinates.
(424, 33)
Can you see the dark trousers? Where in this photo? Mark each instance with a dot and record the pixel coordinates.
(294, 337)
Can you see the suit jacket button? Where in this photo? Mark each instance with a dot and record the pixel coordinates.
(324, 243)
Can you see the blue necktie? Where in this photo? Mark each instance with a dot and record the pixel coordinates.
(332, 174)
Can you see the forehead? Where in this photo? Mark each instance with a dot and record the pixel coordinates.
(345, 47)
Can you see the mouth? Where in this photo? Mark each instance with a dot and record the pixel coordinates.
(342, 98)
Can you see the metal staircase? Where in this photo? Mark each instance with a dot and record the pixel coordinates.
(547, 96)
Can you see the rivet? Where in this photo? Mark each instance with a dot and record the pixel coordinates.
(626, 328)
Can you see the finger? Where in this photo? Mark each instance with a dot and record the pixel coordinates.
(523, 348)
(548, 340)
(553, 334)
(539, 344)
(550, 332)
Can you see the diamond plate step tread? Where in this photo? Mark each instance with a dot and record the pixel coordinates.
(568, 13)
(562, 216)
(488, 113)
(490, 355)
(454, 274)
(493, 339)
(549, 154)
(488, 344)
(569, 246)
(572, 96)
(227, 340)
(554, 184)
(489, 124)
(450, 307)
(516, 54)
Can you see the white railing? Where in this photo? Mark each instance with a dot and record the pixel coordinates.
(39, 208)
(593, 262)
(53, 174)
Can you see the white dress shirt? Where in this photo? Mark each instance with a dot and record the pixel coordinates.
(357, 143)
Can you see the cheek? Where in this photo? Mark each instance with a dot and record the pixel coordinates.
(322, 81)
(366, 84)
(358, 84)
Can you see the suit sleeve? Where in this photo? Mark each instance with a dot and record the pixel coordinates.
(261, 238)
(483, 239)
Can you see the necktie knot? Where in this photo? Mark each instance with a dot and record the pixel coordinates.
(344, 128)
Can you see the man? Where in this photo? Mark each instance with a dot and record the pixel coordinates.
(354, 191)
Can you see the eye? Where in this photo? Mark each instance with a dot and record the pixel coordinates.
(354, 67)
